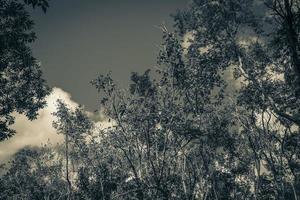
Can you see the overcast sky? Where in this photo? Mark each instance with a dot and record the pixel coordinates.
(78, 39)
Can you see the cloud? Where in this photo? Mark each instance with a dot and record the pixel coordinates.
(188, 39)
(36, 132)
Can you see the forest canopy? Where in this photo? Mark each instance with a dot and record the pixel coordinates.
(219, 119)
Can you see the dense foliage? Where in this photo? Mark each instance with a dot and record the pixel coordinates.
(22, 87)
(220, 120)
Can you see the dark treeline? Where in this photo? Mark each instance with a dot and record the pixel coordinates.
(219, 119)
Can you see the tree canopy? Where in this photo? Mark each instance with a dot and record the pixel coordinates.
(218, 120)
(22, 87)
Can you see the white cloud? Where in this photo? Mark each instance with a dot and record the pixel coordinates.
(36, 132)
(188, 38)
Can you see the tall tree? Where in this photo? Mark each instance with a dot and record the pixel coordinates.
(22, 87)
(73, 124)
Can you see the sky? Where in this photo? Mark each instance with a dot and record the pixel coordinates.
(78, 40)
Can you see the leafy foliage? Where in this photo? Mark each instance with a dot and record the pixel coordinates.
(22, 87)
(219, 121)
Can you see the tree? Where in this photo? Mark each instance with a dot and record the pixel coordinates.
(218, 121)
(22, 87)
(266, 60)
(33, 173)
(73, 124)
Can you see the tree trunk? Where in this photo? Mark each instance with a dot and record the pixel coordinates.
(69, 196)
(293, 44)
